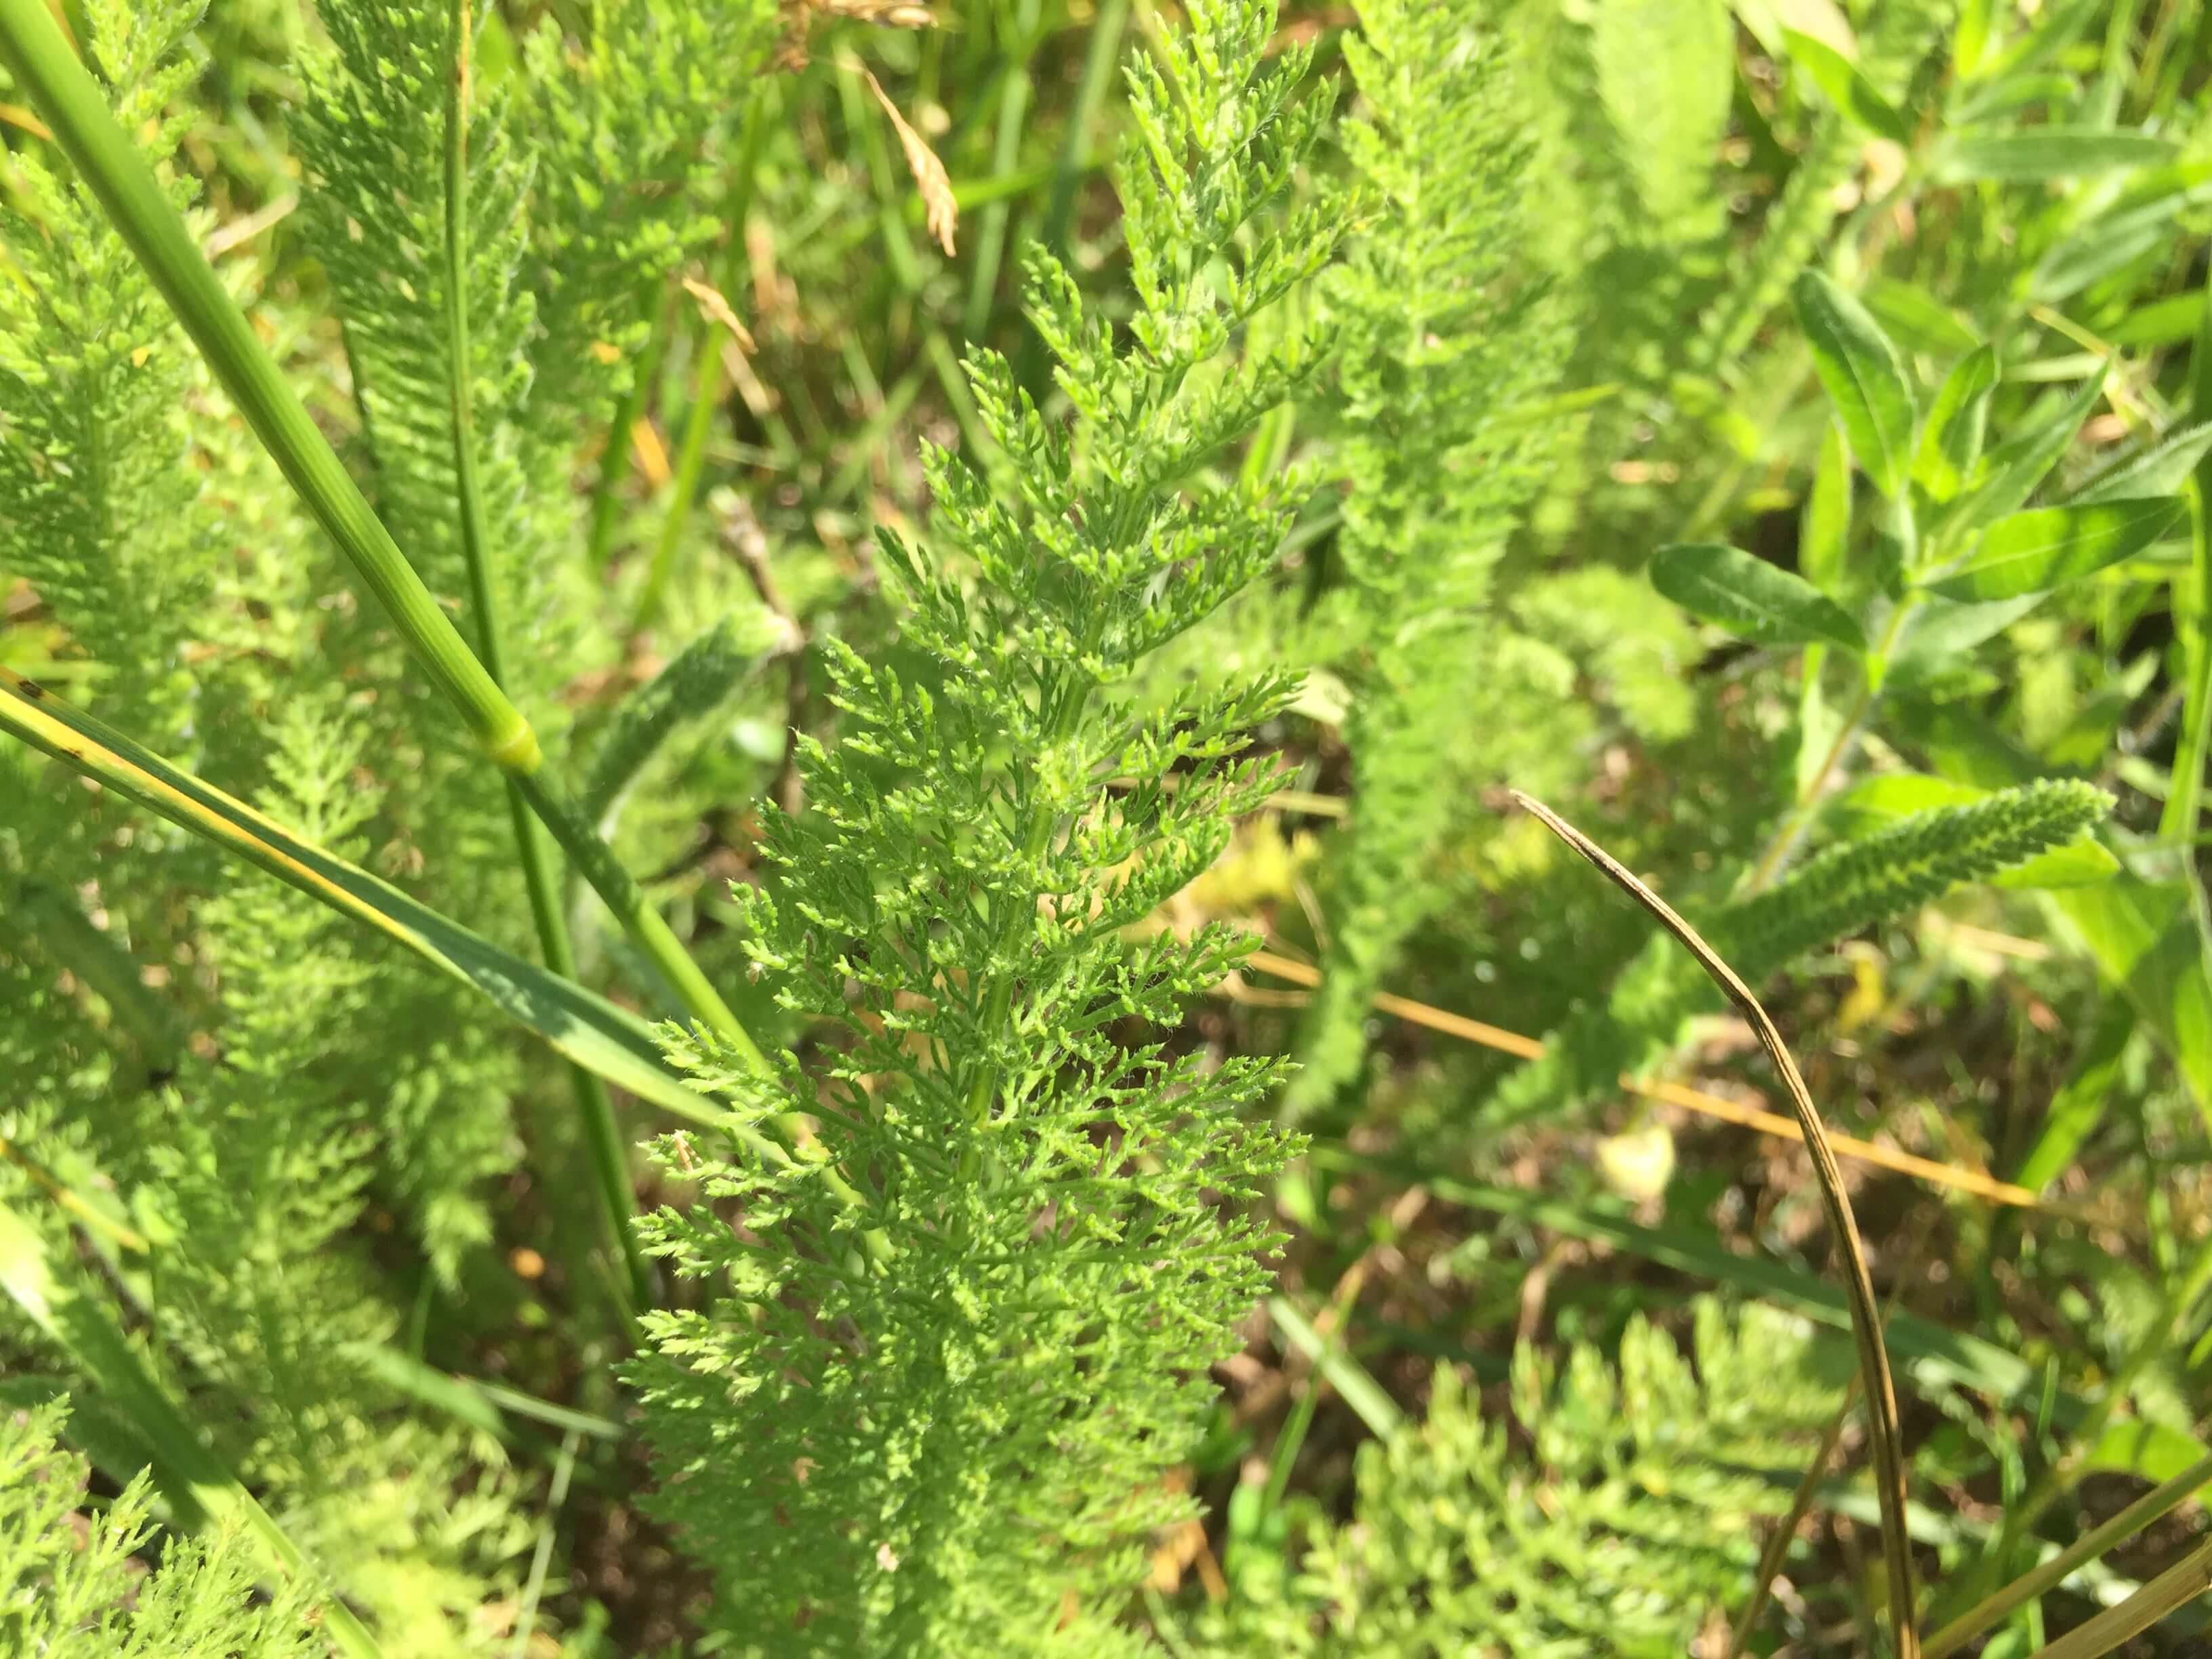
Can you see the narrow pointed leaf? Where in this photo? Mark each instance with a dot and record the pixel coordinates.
(1845, 86)
(695, 681)
(2034, 552)
(2162, 469)
(2093, 1086)
(1864, 377)
(1824, 535)
(2017, 466)
(1750, 597)
(2028, 154)
(578, 1025)
(1952, 444)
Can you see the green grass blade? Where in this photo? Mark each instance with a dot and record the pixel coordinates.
(32, 46)
(1346, 1374)
(2081, 1102)
(33, 50)
(2087, 1547)
(194, 1480)
(580, 1026)
(595, 1111)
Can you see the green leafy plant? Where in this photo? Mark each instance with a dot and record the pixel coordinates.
(825, 574)
(1618, 1505)
(977, 1382)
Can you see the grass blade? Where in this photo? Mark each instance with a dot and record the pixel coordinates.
(33, 48)
(1884, 1433)
(1346, 1374)
(594, 1110)
(696, 680)
(580, 1026)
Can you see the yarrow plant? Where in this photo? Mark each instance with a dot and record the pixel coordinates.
(940, 1419)
(1151, 558)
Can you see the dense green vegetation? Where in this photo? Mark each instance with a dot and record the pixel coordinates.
(759, 885)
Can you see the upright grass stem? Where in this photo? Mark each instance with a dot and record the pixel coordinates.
(595, 1108)
(32, 46)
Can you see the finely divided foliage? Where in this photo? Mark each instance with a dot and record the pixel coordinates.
(1381, 417)
(71, 1586)
(1446, 337)
(93, 505)
(1615, 1513)
(941, 1422)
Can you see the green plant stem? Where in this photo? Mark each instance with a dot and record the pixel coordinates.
(1103, 53)
(563, 1468)
(691, 462)
(990, 241)
(2155, 1341)
(636, 915)
(200, 1487)
(1801, 810)
(32, 46)
(2193, 607)
(706, 382)
(67, 936)
(2176, 1588)
(615, 456)
(594, 1106)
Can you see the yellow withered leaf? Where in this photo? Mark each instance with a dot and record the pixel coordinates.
(942, 214)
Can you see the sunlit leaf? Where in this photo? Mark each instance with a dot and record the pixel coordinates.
(1864, 377)
(1746, 594)
(2034, 552)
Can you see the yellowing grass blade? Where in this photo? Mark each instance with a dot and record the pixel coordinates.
(194, 1479)
(585, 1028)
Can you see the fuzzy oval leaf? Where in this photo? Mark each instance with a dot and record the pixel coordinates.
(578, 1025)
(1845, 86)
(2026, 155)
(2034, 552)
(1864, 377)
(1750, 597)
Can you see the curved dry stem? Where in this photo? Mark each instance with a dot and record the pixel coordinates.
(1884, 1434)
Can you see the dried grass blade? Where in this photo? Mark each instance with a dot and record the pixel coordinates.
(1884, 1432)
(2177, 1586)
